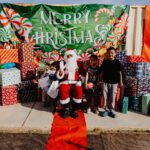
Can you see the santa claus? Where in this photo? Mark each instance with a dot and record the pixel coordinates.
(69, 76)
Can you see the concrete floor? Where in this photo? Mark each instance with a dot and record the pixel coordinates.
(103, 141)
(35, 118)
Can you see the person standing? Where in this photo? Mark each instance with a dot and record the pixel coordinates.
(111, 75)
(91, 81)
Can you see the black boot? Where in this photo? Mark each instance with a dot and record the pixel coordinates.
(75, 108)
(66, 111)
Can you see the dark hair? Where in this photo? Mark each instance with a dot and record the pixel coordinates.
(94, 56)
(111, 48)
(55, 64)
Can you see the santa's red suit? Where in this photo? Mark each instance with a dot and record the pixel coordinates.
(70, 79)
(69, 76)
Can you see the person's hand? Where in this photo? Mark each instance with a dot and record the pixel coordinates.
(60, 72)
(121, 85)
(89, 86)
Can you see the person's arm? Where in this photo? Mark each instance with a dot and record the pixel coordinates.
(101, 76)
(121, 80)
(120, 74)
(61, 72)
(86, 79)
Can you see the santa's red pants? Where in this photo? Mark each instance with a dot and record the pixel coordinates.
(65, 91)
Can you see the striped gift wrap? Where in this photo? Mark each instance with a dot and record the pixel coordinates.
(8, 55)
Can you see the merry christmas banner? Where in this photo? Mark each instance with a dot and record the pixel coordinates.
(59, 27)
(146, 46)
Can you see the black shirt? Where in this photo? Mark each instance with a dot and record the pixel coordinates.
(111, 69)
(93, 74)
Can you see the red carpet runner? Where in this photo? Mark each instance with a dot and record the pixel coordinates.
(68, 134)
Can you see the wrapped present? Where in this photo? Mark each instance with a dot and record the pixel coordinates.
(147, 69)
(27, 71)
(138, 69)
(145, 103)
(149, 109)
(129, 69)
(143, 86)
(8, 95)
(135, 103)
(26, 53)
(131, 86)
(121, 56)
(125, 105)
(9, 76)
(27, 85)
(131, 58)
(27, 96)
(8, 55)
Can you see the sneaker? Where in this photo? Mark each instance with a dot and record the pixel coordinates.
(112, 114)
(74, 114)
(95, 110)
(105, 114)
(88, 111)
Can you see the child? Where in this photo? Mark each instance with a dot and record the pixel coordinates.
(111, 74)
(51, 76)
(91, 81)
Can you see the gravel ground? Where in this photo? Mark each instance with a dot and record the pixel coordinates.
(100, 141)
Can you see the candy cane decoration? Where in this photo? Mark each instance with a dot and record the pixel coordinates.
(10, 17)
(5, 21)
(25, 27)
(4, 35)
(101, 10)
(48, 58)
(84, 57)
(122, 23)
(56, 57)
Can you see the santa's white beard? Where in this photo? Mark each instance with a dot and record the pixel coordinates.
(71, 66)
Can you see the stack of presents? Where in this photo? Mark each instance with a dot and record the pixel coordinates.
(17, 74)
(137, 82)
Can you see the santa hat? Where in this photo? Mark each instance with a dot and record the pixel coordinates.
(70, 52)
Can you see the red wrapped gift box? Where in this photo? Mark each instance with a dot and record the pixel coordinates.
(27, 70)
(26, 53)
(8, 95)
(8, 55)
(135, 58)
(131, 86)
